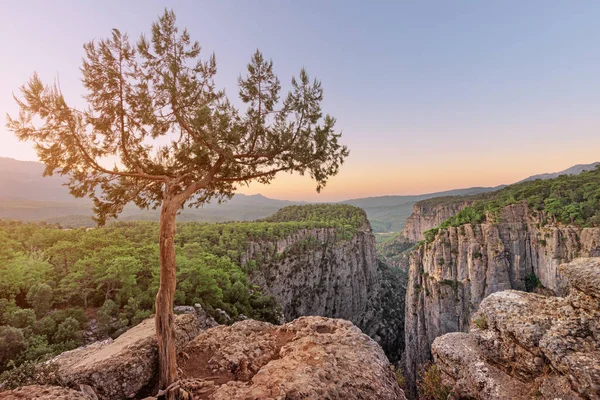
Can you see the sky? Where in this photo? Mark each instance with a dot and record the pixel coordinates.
(429, 95)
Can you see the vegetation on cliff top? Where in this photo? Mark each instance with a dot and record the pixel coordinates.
(54, 280)
(568, 199)
(329, 214)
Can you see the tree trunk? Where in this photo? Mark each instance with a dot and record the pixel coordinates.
(164, 320)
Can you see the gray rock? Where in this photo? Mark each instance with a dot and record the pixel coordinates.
(184, 310)
(205, 320)
(334, 277)
(221, 315)
(540, 346)
(119, 369)
(449, 277)
(309, 358)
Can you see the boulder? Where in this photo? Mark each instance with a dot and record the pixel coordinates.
(121, 368)
(522, 345)
(308, 358)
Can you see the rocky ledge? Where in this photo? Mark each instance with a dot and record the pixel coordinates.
(525, 345)
(124, 367)
(308, 358)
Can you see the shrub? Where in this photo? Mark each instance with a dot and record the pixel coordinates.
(481, 322)
(430, 234)
(46, 327)
(68, 331)
(400, 380)
(430, 384)
(12, 342)
(20, 318)
(77, 313)
(40, 297)
(30, 373)
(532, 282)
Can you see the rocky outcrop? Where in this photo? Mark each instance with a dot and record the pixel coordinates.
(450, 276)
(524, 345)
(328, 273)
(309, 358)
(428, 214)
(40, 392)
(317, 272)
(121, 368)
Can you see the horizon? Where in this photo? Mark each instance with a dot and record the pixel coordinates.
(375, 195)
(430, 97)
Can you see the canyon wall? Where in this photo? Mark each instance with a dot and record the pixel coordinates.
(428, 214)
(524, 345)
(449, 277)
(327, 273)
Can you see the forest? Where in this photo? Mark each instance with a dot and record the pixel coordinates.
(55, 280)
(568, 200)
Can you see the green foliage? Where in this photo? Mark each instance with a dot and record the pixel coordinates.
(20, 318)
(40, 297)
(341, 214)
(393, 248)
(430, 384)
(568, 199)
(481, 322)
(532, 282)
(68, 331)
(430, 234)
(46, 327)
(112, 272)
(31, 373)
(12, 342)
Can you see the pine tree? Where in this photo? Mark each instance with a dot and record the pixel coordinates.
(153, 110)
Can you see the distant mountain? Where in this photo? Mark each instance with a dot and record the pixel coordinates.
(23, 180)
(574, 170)
(389, 213)
(25, 194)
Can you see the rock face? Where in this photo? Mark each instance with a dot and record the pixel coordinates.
(524, 345)
(309, 358)
(121, 368)
(317, 272)
(39, 392)
(428, 214)
(450, 276)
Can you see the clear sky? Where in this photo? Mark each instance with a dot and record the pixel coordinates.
(430, 95)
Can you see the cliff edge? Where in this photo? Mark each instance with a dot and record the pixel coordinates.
(525, 345)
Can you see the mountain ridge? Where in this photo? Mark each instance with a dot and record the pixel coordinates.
(25, 194)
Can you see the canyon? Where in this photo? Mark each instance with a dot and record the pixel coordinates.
(318, 272)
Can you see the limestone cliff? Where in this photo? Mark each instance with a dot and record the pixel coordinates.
(450, 276)
(524, 345)
(428, 214)
(329, 273)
